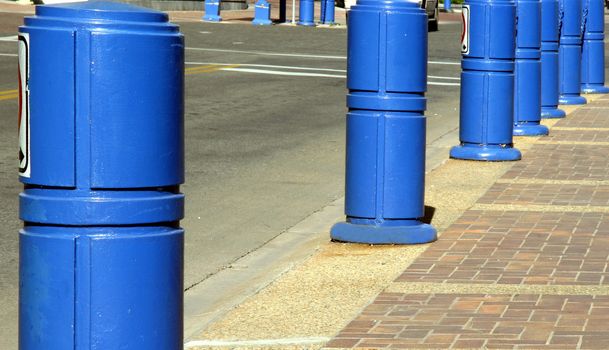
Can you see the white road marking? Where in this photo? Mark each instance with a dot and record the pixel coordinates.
(302, 55)
(274, 72)
(304, 68)
(263, 53)
(270, 66)
(302, 74)
(261, 342)
(9, 54)
(8, 38)
(441, 77)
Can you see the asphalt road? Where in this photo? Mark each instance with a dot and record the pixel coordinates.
(264, 138)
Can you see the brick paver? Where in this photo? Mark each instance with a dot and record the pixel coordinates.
(526, 267)
(442, 321)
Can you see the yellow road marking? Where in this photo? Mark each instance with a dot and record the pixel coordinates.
(7, 92)
(8, 97)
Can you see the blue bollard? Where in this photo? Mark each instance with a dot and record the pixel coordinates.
(527, 70)
(102, 156)
(447, 6)
(549, 60)
(327, 12)
(212, 11)
(262, 13)
(593, 48)
(569, 53)
(487, 82)
(306, 13)
(385, 165)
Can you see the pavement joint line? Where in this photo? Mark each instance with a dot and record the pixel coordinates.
(523, 181)
(580, 143)
(571, 128)
(541, 208)
(473, 288)
(257, 342)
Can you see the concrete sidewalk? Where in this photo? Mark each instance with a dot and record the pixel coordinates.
(522, 262)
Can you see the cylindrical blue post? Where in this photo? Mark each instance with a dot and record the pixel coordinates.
(527, 70)
(447, 6)
(306, 13)
(487, 82)
(593, 48)
(569, 53)
(385, 166)
(327, 12)
(262, 13)
(549, 60)
(102, 158)
(212, 11)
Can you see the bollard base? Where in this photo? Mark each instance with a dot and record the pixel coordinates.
(411, 232)
(262, 22)
(212, 18)
(306, 24)
(572, 100)
(530, 129)
(552, 113)
(594, 89)
(488, 153)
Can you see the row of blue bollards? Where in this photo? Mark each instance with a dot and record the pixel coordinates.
(262, 12)
(519, 60)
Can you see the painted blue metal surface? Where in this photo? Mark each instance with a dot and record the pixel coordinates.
(549, 60)
(447, 6)
(527, 70)
(327, 12)
(593, 48)
(385, 165)
(306, 13)
(212, 11)
(487, 82)
(101, 251)
(569, 52)
(262, 13)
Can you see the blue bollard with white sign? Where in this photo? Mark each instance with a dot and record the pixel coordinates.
(212, 11)
(262, 13)
(487, 82)
(593, 48)
(385, 165)
(527, 70)
(327, 12)
(306, 13)
(549, 60)
(569, 53)
(101, 159)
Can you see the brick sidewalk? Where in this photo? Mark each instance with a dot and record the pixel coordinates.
(526, 267)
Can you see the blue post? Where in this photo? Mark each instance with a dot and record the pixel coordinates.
(327, 12)
(549, 60)
(593, 50)
(487, 82)
(102, 158)
(569, 53)
(262, 13)
(527, 70)
(447, 6)
(306, 13)
(385, 166)
(212, 11)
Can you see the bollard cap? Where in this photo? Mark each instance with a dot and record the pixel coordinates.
(102, 10)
